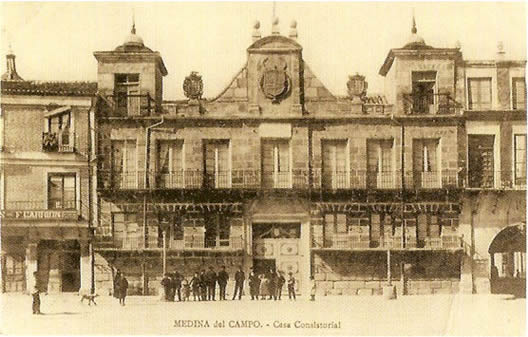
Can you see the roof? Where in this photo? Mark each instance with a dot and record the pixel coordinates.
(48, 88)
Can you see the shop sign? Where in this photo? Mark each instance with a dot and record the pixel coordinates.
(39, 215)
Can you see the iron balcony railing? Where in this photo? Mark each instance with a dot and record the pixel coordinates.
(295, 179)
(430, 104)
(123, 105)
(486, 179)
(62, 141)
(41, 205)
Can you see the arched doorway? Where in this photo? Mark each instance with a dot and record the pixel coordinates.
(508, 261)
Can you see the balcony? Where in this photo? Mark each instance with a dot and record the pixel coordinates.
(184, 179)
(432, 179)
(353, 179)
(484, 179)
(131, 105)
(297, 179)
(62, 141)
(383, 180)
(418, 104)
(108, 179)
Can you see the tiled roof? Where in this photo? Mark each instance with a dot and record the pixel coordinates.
(48, 88)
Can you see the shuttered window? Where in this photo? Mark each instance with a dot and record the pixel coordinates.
(520, 159)
(518, 93)
(217, 163)
(335, 164)
(61, 191)
(479, 93)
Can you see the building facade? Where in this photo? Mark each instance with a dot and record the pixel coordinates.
(44, 184)
(422, 187)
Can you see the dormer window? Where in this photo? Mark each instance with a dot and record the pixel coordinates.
(423, 91)
(59, 133)
(126, 94)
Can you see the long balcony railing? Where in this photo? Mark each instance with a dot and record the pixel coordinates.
(62, 141)
(41, 209)
(295, 179)
(420, 104)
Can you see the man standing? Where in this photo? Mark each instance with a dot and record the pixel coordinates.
(222, 283)
(280, 282)
(165, 283)
(254, 285)
(123, 287)
(239, 283)
(203, 286)
(117, 279)
(211, 284)
(272, 276)
(35, 293)
(291, 286)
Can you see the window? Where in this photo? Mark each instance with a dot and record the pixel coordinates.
(125, 230)
(336, 223)
(276, 231)
(425, 163)
(423, 91)
(481, 161)
(335, 164)
(276, 163)
(520, 159)
(59, 134)
(379, 163)
(217, 230)
(170, 163)
(174, 225)
(518, 93)
(126, 93)
(124, 163)
(217, 163)
(61, 191)
(479, 93)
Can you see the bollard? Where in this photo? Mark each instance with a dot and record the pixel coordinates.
(389, 292)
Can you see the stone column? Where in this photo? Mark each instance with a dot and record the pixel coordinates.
(305, 257)
(31, 265)
(86, 277)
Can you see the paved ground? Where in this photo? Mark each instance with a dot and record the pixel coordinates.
(415, 315)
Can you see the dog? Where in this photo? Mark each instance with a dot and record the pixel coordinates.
(89, 297)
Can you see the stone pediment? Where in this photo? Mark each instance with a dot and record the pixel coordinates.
(275, 43)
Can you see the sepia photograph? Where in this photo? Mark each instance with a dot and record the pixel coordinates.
(263, 168)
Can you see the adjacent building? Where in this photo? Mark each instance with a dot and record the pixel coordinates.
(422, 186)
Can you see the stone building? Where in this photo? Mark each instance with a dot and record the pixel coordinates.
(44, 185)
(422, 186)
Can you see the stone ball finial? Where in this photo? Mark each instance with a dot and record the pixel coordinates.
(293, 24)
(500, 46)
(458, 45)
(256, 24)
(275, 21)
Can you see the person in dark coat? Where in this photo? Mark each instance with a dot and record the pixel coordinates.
(222, 283)
(203, 286)
(123, 287)
(211, 284)
(239, 283)
(166, 284)
(35, 294)
(117, 278)
(254, 285)
(280, 282)
(176, 286)
(291, 286)
(272, 277)
(195, 286)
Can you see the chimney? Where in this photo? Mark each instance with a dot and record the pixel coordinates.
(11, 74)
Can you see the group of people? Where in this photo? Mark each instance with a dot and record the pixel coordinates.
(202, 286)
(120, 287)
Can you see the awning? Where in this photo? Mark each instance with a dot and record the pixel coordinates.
(57, 111)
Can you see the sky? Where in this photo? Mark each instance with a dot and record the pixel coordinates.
(56, 41)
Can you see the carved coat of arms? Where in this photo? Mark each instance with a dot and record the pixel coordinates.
(275, 82)
(193, 86)
(357, 86)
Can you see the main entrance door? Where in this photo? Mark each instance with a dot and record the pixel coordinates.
(277, 246)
